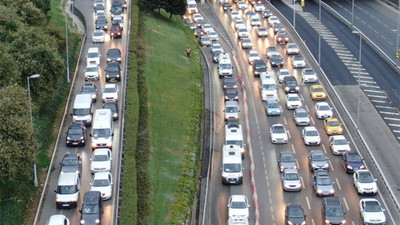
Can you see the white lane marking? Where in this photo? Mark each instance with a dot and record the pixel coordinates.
(323, 146)
(302, 183)
(307, 108)
(330, 164)
(378, 101)
(338, 184)
(293, 148)
(390, 118)
(377, 96)
(298, 165)
(312, 121)
(312, 221)
(375, 91)
(284, 120)
(288, 132)
(345, 203)
(385, 107)
(390, 113)
(308, 203)
(396, 131)
(352, 222)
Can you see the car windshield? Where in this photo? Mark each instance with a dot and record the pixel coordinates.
(238, 205)
(334, 212)
(291, 176)
(318, 90)
(269, 87)
(262, 29)
(372, 206)
(231, 92)
(91, 69)
(234, 142)
(112, 69)
(324, 181)
(100, 158)
(302, 114)
(272, 49)
(333, 123)
(225, 66)
(92, 55)
(81, 112)
(255, 19)
(70, 162)
(90, 209)
(101, 183)
(101, 133)
(115, 28)
(353, 158)
(253, 55)
(242, 30)
(318, 157)
(231, 109)
(238, 23)
(298, 58)
(296, 213)
(293, 98)
(246, 41)
(229, 81)
(117, 21)
(261, 66)
(273, 105)
(67, 189)
(292, 46)
(324, 108)
(340, 142)
(287, 158)
(365, 178)
(312, 133)
(233, 168)
(276, 57)
(279, 130)
(88, 90)
(308, 72)
(73, 131)
(98, 34)
(110, 90)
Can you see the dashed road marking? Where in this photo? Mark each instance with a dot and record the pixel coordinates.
(338, 184)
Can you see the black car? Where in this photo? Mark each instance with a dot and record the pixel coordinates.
(215, 55)
(113, 106)
(113, 72)
(76, 134)
(259, 67)
(71, 163)
(231, 94)
(227, 7)
(119, 3)
(352, 161)
(117, 10)
(197, 32)
(294, 214)
(290, 85)
(92, 208)
(114, 55)
(101, 23)
(91, 89)
(332, 211)
(229, 82)
(276, 61)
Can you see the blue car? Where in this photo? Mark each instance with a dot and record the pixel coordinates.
(352, 161)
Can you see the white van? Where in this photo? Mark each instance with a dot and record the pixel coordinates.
(234, 135)
(83, 109)
(225, 67)
(102, 130)
(268, 87)
(232, 168)
(67, 190)
(191, 7)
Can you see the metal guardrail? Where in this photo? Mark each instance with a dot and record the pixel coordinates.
(296, 37)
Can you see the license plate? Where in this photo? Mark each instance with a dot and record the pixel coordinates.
(65, 205)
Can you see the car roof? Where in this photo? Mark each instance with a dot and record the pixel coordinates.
(285, 154)
(91, 197)
(110, 85)
(310, 128)
(332, 202)
(101, 175)
(238, 198)
(67, 179)
(292, 95)
(56, 219)
(317, 152)
(70, 156)
(290, 171)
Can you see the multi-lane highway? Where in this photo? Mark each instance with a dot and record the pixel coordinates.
(49, 203)
(270, 200)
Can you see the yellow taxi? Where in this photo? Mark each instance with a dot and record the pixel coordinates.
(333, 126)
(317, 92)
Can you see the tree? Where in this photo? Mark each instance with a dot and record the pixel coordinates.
(18, 147)
(175, 7)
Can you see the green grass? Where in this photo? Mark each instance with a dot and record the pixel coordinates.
(171, 80)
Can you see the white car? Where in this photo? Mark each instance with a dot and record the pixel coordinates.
(238, 205)
(278, 134)
(298, 61)
(339, 144)
(238, 220)
(206, 27)
(102, 181)
(255, 21)
(216, 47)
(372, 212)
(246, 43)
(58, 220)
(98, 36)
(273, 20)
(292, 49)
(101, 160)
(118, 20)
(272, 51)
(293, 101)
(239, 23)
(212, 35)
(311, 136)
(242, 5)
(235, 15)
(100, 13)
(92, 72)
(364, 182)
(242, 33)
(323, 110)
(253, 55)
(110, 93)
(309, 76)
(282, 73)
(291, 180)
(262, 32)
(259, 8)
(197, 17)
(93, 56)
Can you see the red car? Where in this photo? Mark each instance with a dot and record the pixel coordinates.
(115, 31)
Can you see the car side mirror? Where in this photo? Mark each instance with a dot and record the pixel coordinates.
(90, 134)
(70, 114)
(217, 67)
(80, 210)
(55, 191)
(227, 205)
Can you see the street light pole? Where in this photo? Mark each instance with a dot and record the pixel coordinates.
(294, 15)
(398, 28)
(31, 118)
(352, 13)
(319, 36)
(66, 43)
(359, 77)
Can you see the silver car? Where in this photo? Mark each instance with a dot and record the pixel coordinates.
(272, 108)
(286, 161)
(301, 117)
(317, 160)
(323, 184)
(291, 180)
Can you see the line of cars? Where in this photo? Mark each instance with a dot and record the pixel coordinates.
(364, 182)
(102, 122)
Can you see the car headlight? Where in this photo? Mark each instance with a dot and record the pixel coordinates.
(332, 191)
(340, 129)
(349, 167)
(94, 145)
(297, 88)
(224, 175)
(303, 223)
(362, 167)
(343, 221)
(82, 221)
(117, 75)
(319, 191)
(327, 222)
(313, 165)
(108, 76)
(226, 97)
(290, 223)
(329, 130)
(326, 165)
(68, 138)
(287, 88)
(97, 221)
(119, 59)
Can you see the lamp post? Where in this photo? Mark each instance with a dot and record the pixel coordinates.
(359, 75)
(352, 13)
(294, 14)
(31, 117)
(319, 36)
